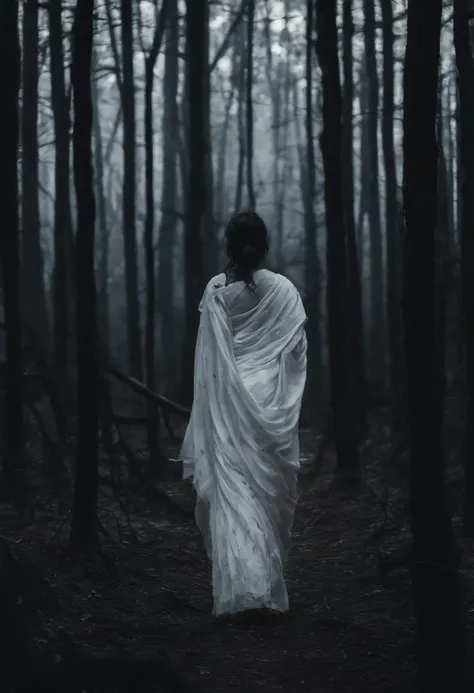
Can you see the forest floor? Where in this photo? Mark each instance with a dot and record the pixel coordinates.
(348, 630)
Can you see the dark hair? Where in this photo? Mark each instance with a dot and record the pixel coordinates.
(247, 245)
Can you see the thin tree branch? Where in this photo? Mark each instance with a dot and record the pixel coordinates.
(224, 47)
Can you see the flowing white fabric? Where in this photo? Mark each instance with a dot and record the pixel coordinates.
(241, 444)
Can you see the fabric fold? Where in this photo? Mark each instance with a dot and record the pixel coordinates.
(241, 444)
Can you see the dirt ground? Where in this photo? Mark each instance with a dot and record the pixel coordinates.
(346, 631)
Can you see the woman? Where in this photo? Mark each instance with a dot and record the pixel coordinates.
(241, 444)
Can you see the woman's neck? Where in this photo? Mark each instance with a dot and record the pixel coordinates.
(235, 273)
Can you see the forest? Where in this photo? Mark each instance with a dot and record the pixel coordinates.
(130, 132)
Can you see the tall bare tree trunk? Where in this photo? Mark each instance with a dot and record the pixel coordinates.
(103, 270)
(450, 157)
(283, 89)
(196, 193)
(312, 266)
(84, 513)
(377, 337)
(148, 240)
(34, 293)
(240, 127)
(456, 326)
(337, 289)
(210, 246)
(63, 235)
(394, 255)
(441, 637)
(274, 74)
(311, 249)
(358, 396)
(12, 476)
(221, 193)
(443, 260)
(129, 195)
(249, 104)
(465, 68)
(169, 198)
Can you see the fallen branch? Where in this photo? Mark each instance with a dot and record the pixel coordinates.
(143, 390)
(130, 420)
(134, 384)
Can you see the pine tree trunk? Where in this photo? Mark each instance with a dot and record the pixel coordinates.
(465, 66)
(196, 193)
(34, 292)
(104, 231)
(358, 395)
(169, 201)
(249, 104)
(84, 512)
(63, 236)
(441, 636)
(377, 336)
(129, 195)
(392, 227)
(337, 289)
(12, 476)
(149, 240)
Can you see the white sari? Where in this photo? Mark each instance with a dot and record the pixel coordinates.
(241, 444)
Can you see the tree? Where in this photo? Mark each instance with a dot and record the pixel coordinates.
(34, 292)
(249, 103)
(150, 62)
(169, 197)
(444, 279)
(358, 396)
(278, 73)
(12, 477)
(196, 189)
(311, 248)
(391, 209)
(465, 69)
(377, 339)
(209, 237)
(129, 194)
(240, 80)
(84, 515)
(102, 225)
(337, 296)
(437, 587)
(63, 239)
(312, 265)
